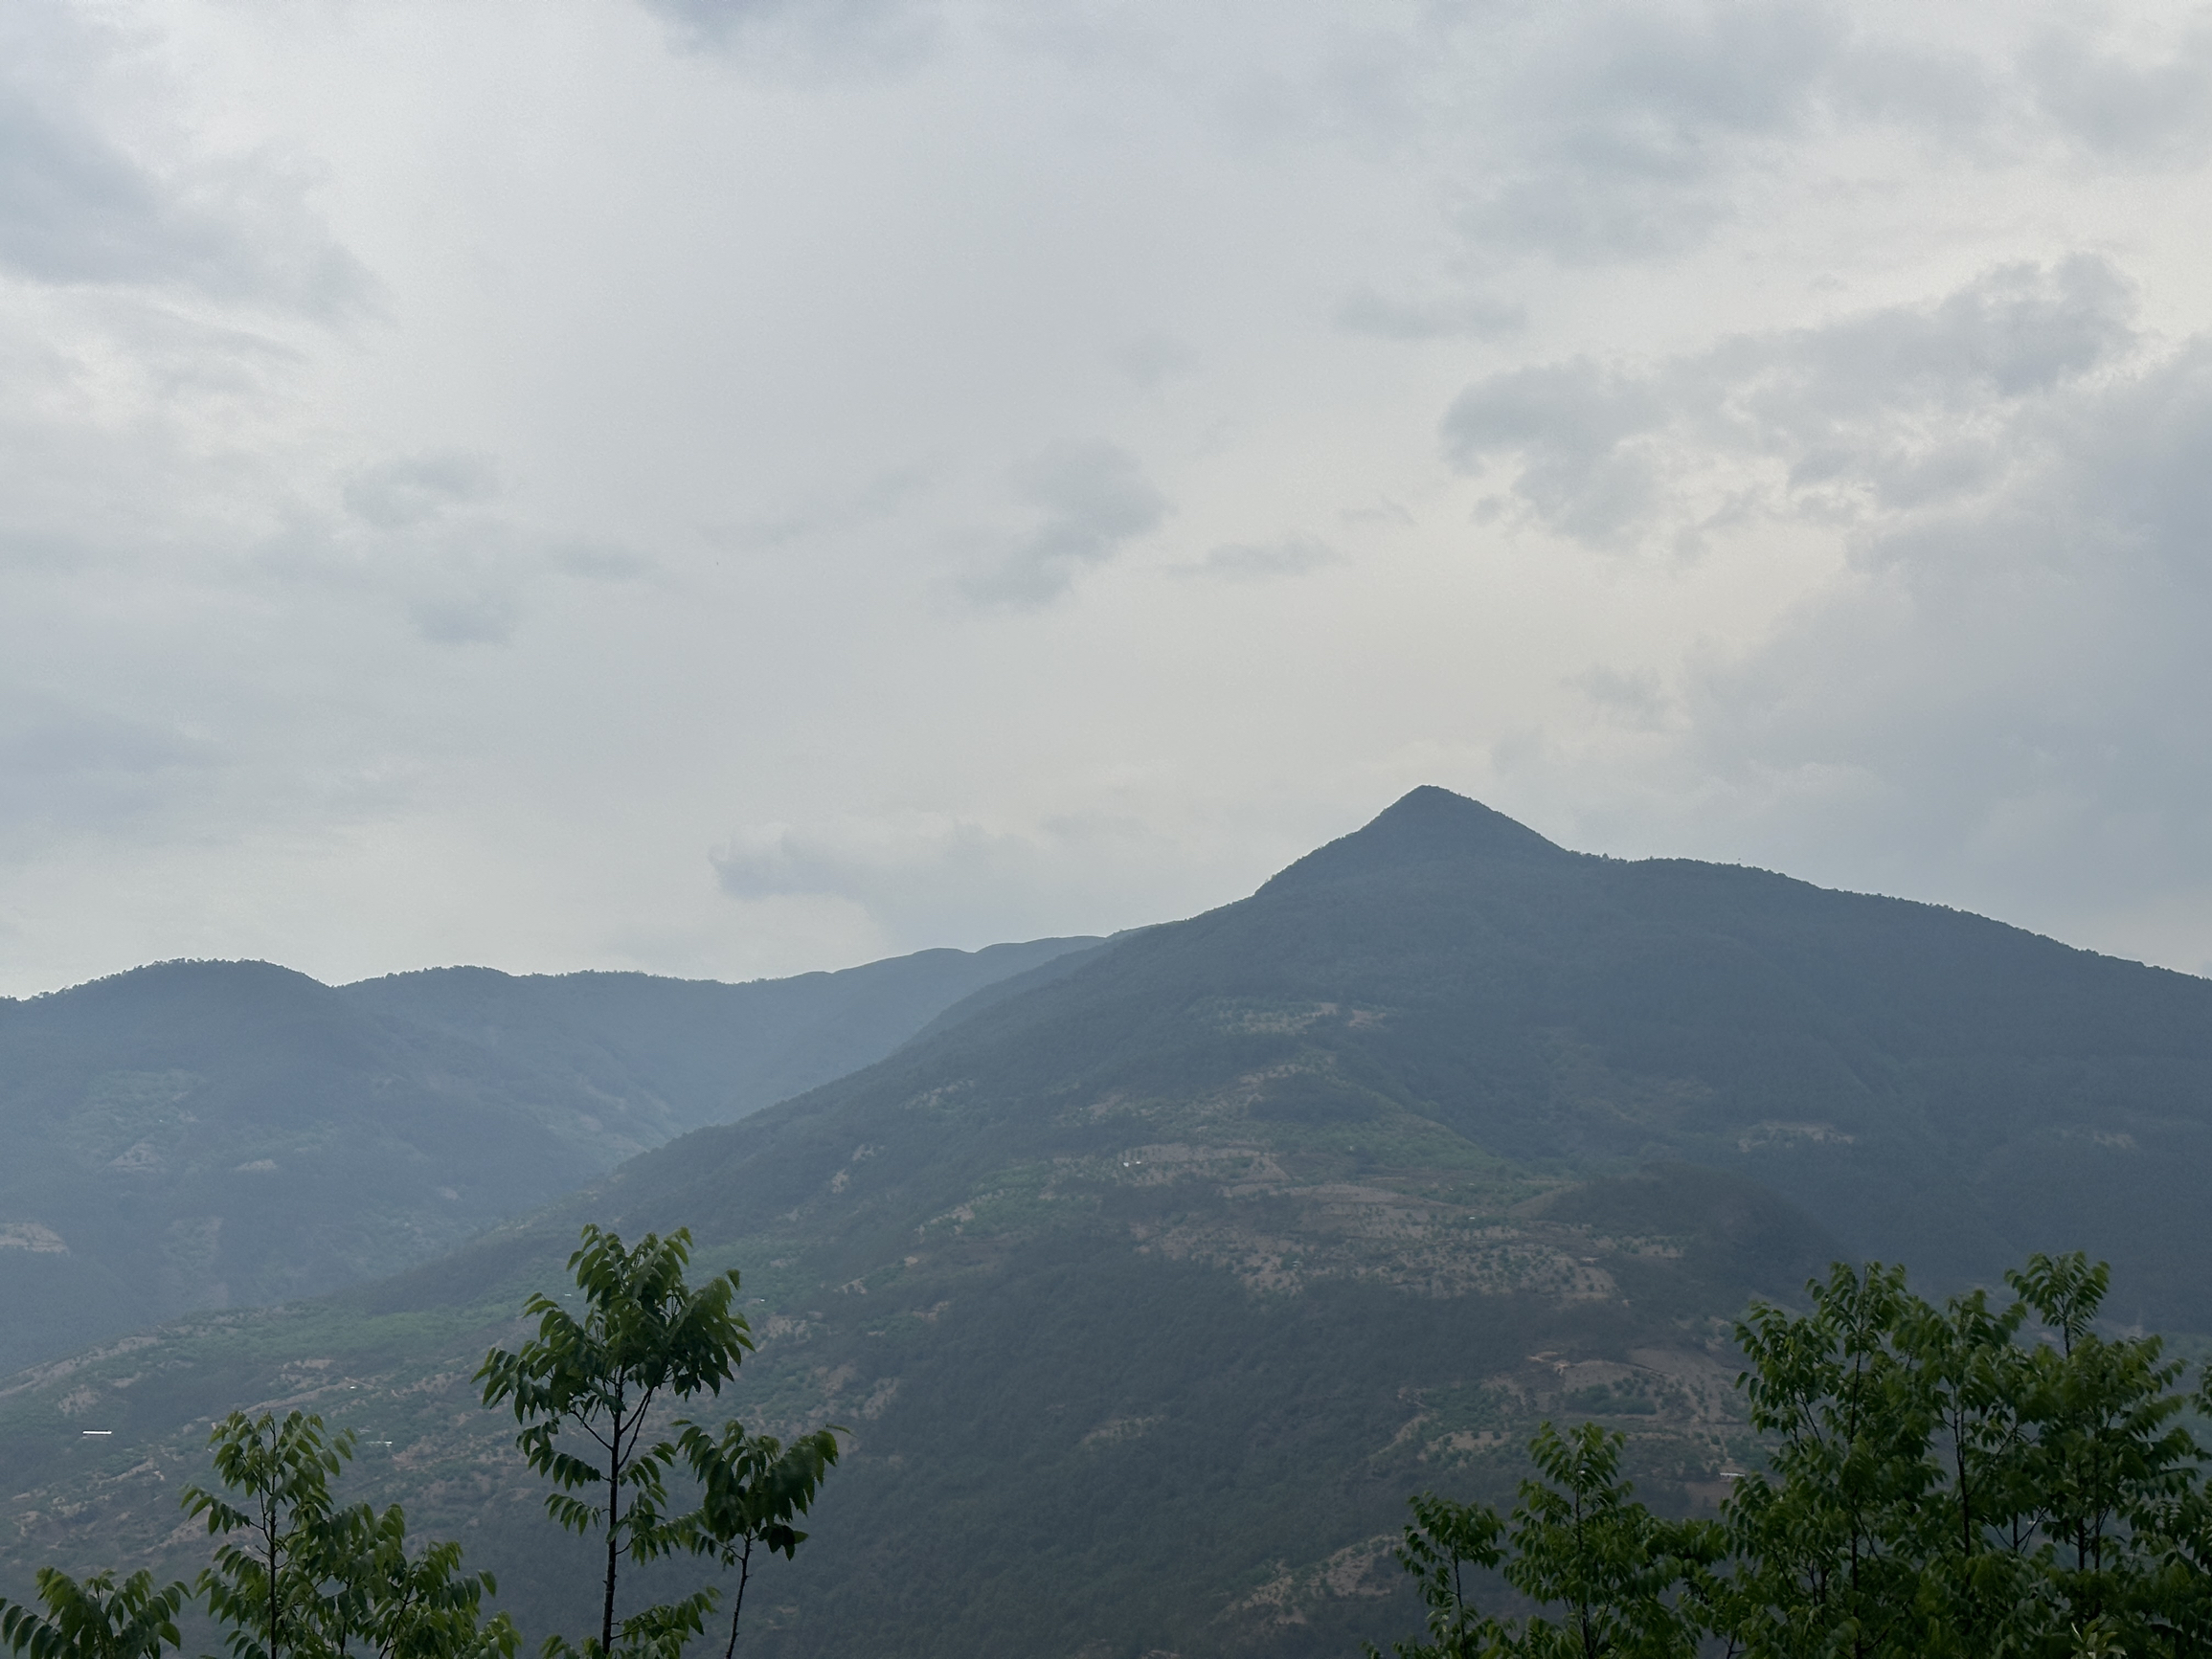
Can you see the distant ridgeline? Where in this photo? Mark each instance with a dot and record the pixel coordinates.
(213, 1133)
(1151, 1284)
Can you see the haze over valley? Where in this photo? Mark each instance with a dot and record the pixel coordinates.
(197, 1135)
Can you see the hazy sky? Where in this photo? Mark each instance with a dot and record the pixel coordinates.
(735, 486)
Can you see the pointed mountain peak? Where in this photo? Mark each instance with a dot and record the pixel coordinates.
(1428, 827)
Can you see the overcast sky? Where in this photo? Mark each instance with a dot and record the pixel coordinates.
(736, 486)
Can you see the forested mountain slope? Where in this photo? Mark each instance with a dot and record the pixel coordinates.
(1149, 1287)
(692, 1052)
(208, 1133)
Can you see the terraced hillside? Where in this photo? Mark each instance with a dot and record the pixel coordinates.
(1171, 1410)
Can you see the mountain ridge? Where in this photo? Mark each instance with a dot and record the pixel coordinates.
(207, 1133)
(1150, 1286)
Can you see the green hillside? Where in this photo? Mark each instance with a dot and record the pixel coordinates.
(1150, 1286)
(213, 1134)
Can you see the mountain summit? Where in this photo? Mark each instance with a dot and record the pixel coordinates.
(1427, 827)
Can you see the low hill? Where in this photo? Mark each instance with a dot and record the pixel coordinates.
(1150, 1286)
(211, 1134)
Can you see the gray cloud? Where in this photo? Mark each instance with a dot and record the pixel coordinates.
(1152, 360)
(860, 858)
(69, 769)
(2008, 691)
(474, 584)
(1630, 121)
(1892, 408)
(73, 208)
(465, 613)
(76, 207)
(871, 502)
(281, 648)
(1265, 561)
(929, 878)
(400, 493)
(599, 562)
(1627, 132)
(2000, 696)
(1576, 427)
(811, 36)
(1635, 696)
(1092, 500)
(1365, 311)
(2016, 330)
(419, 536)
(2123, 109)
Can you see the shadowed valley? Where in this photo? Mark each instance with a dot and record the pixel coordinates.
(212, 1133)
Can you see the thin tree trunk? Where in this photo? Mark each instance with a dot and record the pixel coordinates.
(269, 1518)
(613, 1537)
(738, 1608)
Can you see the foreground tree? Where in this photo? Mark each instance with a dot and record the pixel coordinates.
(1957, 1482)
(1624, 1581)
(1616, 1580)
(1938, 1486)
(1829, 1545)
(1445, 1546)
(387, 1598)
(277, 1521)
(97, 1618)
(752, 1488)
(645, 1335)
(297, 1574)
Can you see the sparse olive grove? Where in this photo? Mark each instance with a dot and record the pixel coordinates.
(298, 1575)
(1958, 1482)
